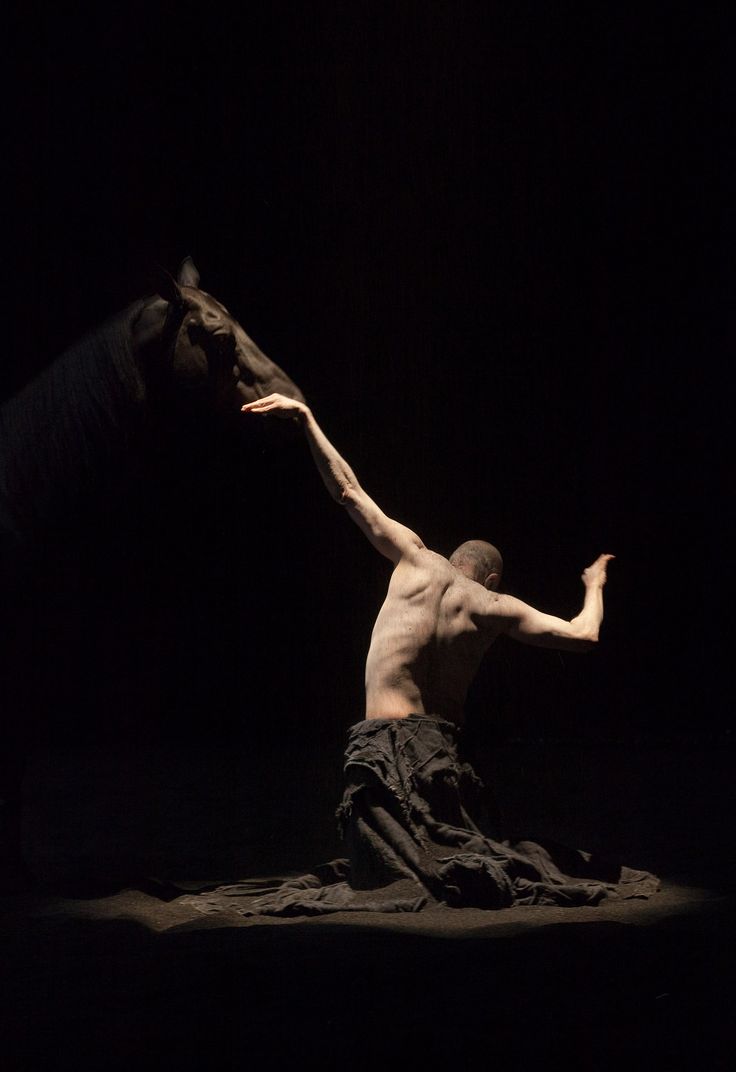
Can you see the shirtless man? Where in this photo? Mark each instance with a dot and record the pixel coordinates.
(440, 616)
(412, 815)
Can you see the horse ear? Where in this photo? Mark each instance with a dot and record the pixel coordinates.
(188, 275)
(166, 286)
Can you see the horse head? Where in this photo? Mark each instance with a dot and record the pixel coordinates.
(195, 350)
(177, 353)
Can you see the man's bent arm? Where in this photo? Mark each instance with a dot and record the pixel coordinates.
(531, 626)
(390, 537)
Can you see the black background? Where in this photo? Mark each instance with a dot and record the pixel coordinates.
(492, 244)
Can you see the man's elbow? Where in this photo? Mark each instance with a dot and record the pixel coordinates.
(347, 494)
(587, 641)
(580, 636)
(341, 492)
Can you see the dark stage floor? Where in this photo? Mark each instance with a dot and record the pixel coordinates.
(131, 978)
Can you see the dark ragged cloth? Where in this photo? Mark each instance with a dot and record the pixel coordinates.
(413, 822)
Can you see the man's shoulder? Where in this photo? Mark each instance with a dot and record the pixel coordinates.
(425, 558)
(424, 566)
(483, 605)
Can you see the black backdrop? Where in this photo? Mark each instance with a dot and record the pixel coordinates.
(492, 245)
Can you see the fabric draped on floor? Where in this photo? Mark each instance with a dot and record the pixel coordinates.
(417, 834)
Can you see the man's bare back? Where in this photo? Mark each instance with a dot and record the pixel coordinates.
(440, 616)
(428, 640)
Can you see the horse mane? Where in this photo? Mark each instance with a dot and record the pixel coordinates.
(64, 428)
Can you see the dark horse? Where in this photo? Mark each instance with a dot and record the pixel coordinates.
(176, 352)
(165, 366)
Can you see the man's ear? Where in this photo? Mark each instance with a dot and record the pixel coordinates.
(491, 582)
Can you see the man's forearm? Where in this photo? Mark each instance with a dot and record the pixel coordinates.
(336, 474)
(588, 622)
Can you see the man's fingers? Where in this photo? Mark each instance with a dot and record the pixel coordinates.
(261, 404)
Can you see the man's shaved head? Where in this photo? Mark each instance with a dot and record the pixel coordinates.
(480, 561)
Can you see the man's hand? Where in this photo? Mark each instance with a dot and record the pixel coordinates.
(595, 574)
(277, 404)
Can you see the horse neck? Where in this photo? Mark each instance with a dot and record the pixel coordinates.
(61, 432)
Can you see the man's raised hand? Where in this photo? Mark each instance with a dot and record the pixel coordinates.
(277, 404)
(596, 573)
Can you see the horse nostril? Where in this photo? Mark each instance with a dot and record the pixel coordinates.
(246, 375)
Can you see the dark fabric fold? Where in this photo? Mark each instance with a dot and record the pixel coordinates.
(414, 827)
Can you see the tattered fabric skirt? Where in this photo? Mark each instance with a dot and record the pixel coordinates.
(412, 820)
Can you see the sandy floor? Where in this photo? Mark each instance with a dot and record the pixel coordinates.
(152, 911)
(131, 976)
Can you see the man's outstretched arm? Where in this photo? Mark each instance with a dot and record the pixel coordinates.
(532, 626)
(391, 538)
